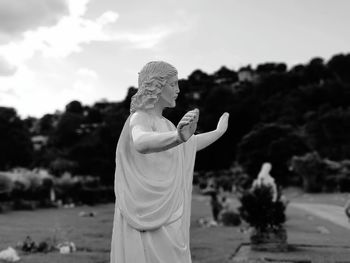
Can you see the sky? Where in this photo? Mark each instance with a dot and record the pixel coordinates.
(56, 51)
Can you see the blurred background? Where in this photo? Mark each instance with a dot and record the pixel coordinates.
(68, 69)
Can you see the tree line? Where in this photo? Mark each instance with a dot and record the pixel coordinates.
(275, 113)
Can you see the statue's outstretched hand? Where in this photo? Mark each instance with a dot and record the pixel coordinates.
(188, 125)
(223, 123)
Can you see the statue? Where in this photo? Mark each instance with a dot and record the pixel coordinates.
(264, 178)
(154, 169)
(264, 210)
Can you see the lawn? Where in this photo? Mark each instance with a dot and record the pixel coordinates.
(208, 245)
(92, 234)
(297, 195)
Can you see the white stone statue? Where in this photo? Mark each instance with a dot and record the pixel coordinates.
(154, 169)
(264, 178)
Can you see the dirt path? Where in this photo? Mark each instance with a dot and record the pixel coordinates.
(332, 213)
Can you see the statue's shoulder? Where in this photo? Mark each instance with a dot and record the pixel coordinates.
(170, 124)
(140, 118)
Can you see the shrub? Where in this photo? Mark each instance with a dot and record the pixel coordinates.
(344, 184)
(274, 143)
(230, 218)
(319, 174)
(258, 209)
(311, 168)
(6, 186)
(82, 190)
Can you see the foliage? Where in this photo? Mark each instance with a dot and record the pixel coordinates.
(60, 166)
(82, 190)
(321, 174)
(311, 168)
(230, 218)
(258, 209)
(26, 190)
(275, 115)
(15, 144)
(329, 130)
(6, 184)
(273, 143)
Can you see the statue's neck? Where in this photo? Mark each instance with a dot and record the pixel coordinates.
(157, 110)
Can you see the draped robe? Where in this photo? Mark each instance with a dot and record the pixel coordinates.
(153, 200)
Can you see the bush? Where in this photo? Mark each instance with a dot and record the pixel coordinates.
(230, 218)
(6, 186)
(258, 209)
(23, 189)
(241, 179)
(82, 190)
(92, 196)
(21, 204)
(344, 184)
(225, 182)
(273, 143)
(319, 174)
(311, 168)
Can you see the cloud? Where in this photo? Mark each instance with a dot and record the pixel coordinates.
(18, 16)
(74, 30)
(39, 57)
(145, 40)
(87, 73)
(61, 39)
(6, 69)
(84, 87)
(35, 93)
(8, 92)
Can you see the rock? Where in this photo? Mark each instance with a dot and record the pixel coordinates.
(9, 255)
(87, 214)
(66, 247)
(323, 230)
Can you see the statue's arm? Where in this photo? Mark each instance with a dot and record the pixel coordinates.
(207, 138)
(147, 141)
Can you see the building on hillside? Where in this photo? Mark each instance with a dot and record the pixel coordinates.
(39, 141)
(246, 74)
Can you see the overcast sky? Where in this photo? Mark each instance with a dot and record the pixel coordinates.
(55, 51)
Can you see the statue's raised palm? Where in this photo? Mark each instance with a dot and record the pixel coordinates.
(188, 124)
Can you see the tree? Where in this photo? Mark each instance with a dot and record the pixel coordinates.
(74, 107)
(225, 76)
(219, 155)
(340, 67)
(328, 132)
(15, 143)
(273, 143)
(260, 211)
(47, 124)
(66, 133)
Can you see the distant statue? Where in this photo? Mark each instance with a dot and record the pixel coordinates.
(154, 172)
(264, 178)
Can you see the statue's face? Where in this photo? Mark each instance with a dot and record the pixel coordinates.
(169, 93)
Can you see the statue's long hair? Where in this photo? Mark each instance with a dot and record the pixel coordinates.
(152, 78)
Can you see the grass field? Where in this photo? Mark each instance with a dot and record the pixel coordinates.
(92, 235)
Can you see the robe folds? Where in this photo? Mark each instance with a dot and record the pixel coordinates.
(153, 201)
